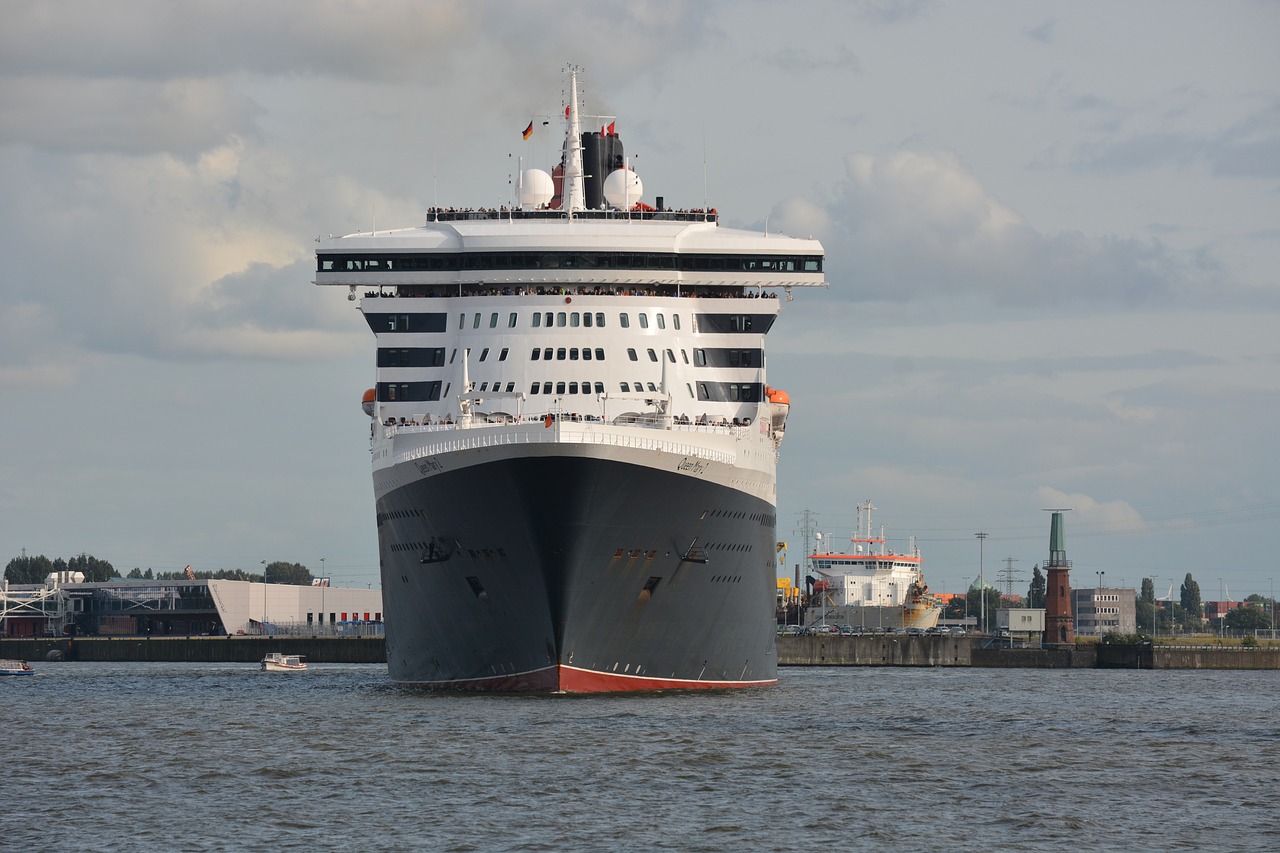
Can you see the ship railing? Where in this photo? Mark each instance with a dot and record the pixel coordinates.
(563, 433)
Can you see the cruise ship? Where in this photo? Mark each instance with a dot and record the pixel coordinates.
(574, 443)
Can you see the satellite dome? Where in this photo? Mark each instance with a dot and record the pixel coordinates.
(536, 188)
(623, 189)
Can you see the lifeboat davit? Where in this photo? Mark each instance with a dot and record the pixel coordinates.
(367, 403)
(780, 402)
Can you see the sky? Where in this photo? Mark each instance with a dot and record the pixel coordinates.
(1052, 238)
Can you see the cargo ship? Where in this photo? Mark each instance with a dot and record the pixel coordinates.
(871, 586)
(573, 441)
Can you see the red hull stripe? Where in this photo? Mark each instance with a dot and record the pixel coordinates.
(575, 680)
(569, 679)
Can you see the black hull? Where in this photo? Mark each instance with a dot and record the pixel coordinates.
(575, 573)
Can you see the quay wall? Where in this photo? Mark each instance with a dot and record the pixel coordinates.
(898, 650)
(1214, 657)
(874, 650)
(196, 649)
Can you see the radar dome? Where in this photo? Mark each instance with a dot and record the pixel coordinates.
(623, 189)
(536, 188)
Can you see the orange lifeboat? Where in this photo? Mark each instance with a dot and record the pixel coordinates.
(780, 401)
(367, 403)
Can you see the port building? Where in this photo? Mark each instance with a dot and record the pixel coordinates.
(66, 605)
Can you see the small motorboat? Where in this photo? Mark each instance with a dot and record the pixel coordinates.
(276, 662)
(15, 667)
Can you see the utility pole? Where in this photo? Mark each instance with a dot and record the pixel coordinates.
(1007, 574)
(807, 531)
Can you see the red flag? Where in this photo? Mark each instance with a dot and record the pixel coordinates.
(528, 131)
(612, 129)
(566, 112)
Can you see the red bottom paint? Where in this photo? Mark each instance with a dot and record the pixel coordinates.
(570, 679)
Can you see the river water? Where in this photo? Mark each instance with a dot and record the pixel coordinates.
(223, 757)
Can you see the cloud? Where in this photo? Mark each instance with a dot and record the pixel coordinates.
(182, 116)
(914, 225)
(799, 59)
(1043, 32)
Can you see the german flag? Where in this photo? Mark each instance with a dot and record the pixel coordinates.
(528, 131)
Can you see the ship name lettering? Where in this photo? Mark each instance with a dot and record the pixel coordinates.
(429, 464)
(693, 466)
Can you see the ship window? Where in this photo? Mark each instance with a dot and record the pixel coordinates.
(560, 318)
(493, 320)
(546, 387)
(453, 355)
(631, 354)
(533, 356)
(651, 387)
(511, 386)
(573, 387)
(586, 353)
(586, 319)
(700, 357)
(537, 319)
(639, 387)
(573, 320)
(462, 321)
(626, 389)
(671, 357)
(653, 356)
(484, 353)
(475, 323)
(599, 387)
(502, 356)
(447, 386)
(533, 388)
(599, 354)
(550, 319)
(484, 386)
(560, 354)
(662, 321)
(546, 354)
(600, 319)
(702, 391)
(644, 320)
(573, 354)
(511, 320)
(559, 387)
(624, 321)
(675, 321)
(689, 385)
(684, 355)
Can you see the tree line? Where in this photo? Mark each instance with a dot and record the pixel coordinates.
(1186, 614)
(33, 570)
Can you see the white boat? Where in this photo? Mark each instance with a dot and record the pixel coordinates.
(574, 446)
(15, 667)
(872, 586)
(276, 662)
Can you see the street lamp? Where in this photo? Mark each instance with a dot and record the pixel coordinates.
(1097, 621)
(982, 584)
(264, 596)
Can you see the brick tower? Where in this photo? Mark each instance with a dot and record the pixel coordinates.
(1059, 624)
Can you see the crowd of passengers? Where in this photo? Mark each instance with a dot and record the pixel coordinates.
(680, 420)
(444, 214)
(598, 290)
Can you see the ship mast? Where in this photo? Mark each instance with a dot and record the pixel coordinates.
(574, 192)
